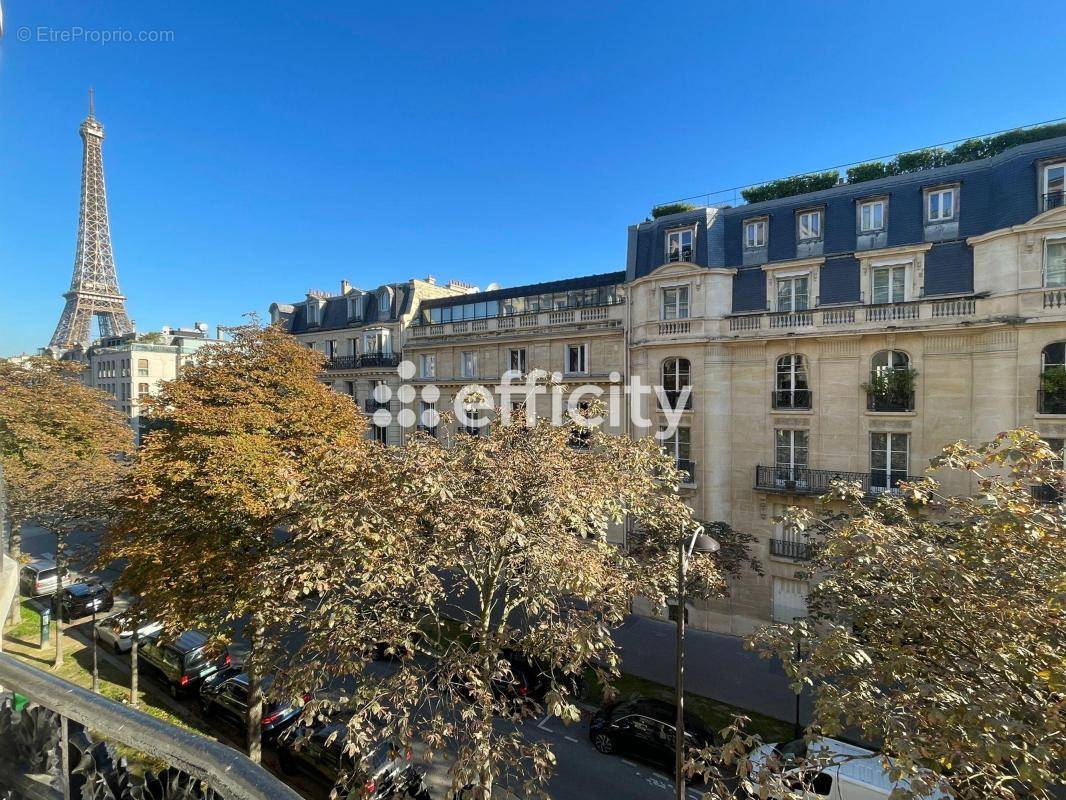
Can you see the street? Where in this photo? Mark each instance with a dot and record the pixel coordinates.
(581, 772)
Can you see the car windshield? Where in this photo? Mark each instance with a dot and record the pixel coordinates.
(793, 751)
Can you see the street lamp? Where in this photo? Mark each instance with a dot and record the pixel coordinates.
(699, 542)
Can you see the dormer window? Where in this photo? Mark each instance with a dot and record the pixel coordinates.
(872, 216)
(941, 204)
(679, 245)
(384, 303)
(1054, 186)
(809, 225)
(355, 307)
(314, 313)
(755, 233)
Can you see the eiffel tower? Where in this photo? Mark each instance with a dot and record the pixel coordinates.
(94, 289)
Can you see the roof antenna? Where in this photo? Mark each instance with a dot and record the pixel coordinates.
(90, 102)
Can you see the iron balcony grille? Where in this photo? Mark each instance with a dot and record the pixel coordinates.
(887, 402)
(371, 405)
(794, 399)
(789, 548)
(363, 361)
(1054, 200)
(1051, 402)
(673, 402)
(1049, 495)
(801, 480)
(688, 469)
(684, 254)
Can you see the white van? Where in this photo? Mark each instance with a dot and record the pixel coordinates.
(860, 777)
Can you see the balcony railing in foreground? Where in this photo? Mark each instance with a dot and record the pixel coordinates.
(363, 361)
(801, 480)
(49, 748)
(844, 317)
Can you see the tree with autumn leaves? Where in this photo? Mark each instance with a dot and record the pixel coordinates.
(936, 630)
(64, 450)
(235, 451)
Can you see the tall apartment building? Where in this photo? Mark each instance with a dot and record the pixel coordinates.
(360, 334)
(850, 332)
(130, 367)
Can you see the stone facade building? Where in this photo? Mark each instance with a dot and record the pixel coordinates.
(850, 332)
(131, 367)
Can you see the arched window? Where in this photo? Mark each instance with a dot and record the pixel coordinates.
(891, 386)
(791, 389)
(1053, 379)
(384, 302)
(676, 374)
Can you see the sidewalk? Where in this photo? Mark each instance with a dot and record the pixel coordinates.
(716, 666)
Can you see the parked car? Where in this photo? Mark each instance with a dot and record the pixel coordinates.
(82, 599)
(385, 772)
(182, 663)
(538, 677)
(117, 633)
(41, 576)
(857, 775)
(645, 729)
(225, 695)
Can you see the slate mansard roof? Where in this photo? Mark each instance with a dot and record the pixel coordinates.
(994, 193)
(335, 311)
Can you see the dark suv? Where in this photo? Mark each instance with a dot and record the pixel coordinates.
(385, 772)
(645, 729)
(82, 599)
(181, 663)
(225, 695)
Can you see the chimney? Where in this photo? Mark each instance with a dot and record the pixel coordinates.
(431, 280)
(345, 287)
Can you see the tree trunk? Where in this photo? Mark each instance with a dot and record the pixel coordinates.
(15, 551)
(134, 669)
(57, 605)
(255, 692)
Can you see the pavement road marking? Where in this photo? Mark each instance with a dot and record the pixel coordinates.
(570, 739)
(544, 727)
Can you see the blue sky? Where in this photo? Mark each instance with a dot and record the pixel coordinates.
(270, 148)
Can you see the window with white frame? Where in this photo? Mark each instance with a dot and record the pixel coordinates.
(792, 389)
(790, 599)
(577, 359)
(1055, 262)
(381, 434)
(377, 342)
(755, 233)
(331, 348)
(428, 418)
(888, 460)
(468, 364)
(889, 283)
(809, 225)
(872, 216)
(790, 455)
(314, 315)
(516, 359)
(676, 376)
(675, 302)
(142, 367)
(427, 365)
(384, 302)
(679, 245)
(793, 292)
(940, 204)
(1054, 185)
(679, 447)
(353, 347)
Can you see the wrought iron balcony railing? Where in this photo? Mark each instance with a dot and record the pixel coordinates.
(688, 467)
(50, 748)
(371, 405)
(1050, 495)
(801, 480)
(363, 361)
(790, 548)
(684, 254)
(1051, 402)
(1053, 200)
(792, 399)
(673, 401)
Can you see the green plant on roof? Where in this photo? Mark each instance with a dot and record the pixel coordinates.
(786, 187)
(671, 208)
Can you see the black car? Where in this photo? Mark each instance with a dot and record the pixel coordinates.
(645, 729)
(82, 599)
(225, 695)
(386, 772)
(181, 664)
